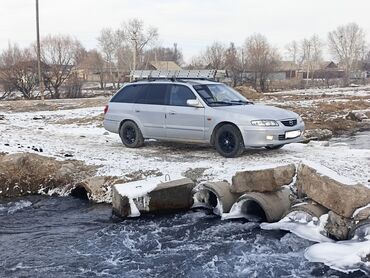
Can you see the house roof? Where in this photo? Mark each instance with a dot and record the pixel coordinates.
(165, 65)
(287, 66)
(328, 64)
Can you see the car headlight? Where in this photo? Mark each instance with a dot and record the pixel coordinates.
(264, 123)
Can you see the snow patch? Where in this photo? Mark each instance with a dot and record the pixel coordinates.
(345, 256)
(303, 225)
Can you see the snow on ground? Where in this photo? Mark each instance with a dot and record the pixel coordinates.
(346, 91)
(89, 142)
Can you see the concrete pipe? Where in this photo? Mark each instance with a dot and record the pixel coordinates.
(257, 206)
(360, 230)
(310, 208)
(215, 196)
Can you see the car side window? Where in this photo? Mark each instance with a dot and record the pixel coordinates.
(179, 95)
(153, 94)
(127, 94)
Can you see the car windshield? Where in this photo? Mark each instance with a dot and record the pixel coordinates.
(220, 95)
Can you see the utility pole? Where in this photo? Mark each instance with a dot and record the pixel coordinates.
(41, 84)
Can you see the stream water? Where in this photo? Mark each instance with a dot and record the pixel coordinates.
(68, 237)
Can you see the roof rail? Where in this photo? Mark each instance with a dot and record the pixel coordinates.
(173, 75)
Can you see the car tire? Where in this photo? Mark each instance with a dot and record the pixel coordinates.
(274, 147)
(228, 141)
(131, 135)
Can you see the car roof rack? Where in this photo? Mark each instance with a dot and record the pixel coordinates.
(173, 75)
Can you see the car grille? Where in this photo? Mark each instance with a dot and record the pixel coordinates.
(282, 137)
(289, 122)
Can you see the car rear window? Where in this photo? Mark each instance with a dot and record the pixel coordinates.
(128, 94)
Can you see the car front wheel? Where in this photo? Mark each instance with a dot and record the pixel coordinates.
(131, 135)
(229, 141)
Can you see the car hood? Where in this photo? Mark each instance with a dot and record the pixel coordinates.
(259, 111)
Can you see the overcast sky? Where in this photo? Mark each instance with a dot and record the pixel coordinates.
(193, 24)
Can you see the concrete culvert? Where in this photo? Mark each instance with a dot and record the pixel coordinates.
(311, 208)
(80, 193)
(257, 206)
(214, 195)
(253, 211)
(360, 230)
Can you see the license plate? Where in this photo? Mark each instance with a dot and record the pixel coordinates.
(292, 134)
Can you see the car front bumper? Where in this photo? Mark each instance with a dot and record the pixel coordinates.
(257, 137)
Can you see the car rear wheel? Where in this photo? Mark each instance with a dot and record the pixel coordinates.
(229, 141)
(274, 147)
(131, 135)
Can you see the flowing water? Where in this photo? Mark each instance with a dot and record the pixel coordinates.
(68, 237)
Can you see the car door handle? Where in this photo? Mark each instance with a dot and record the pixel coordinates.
(171, 113)
(137, 111)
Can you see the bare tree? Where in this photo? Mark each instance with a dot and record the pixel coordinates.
(262, 59)
(138, 37)
(233, 63)
(164, 54)
(347, 44)
(110, 42)
(292, 51)
(18, 71)
(214, 56)
(196, 63)
(311, 55)
(60, 54)
(94, 63)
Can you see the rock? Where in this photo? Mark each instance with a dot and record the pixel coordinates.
(106, 133)
(38, 118)
(317, 134)
(2, 117)
(152, 195)
(26, 173)
(265, 180)
(331, 190)
(338, 226)
(356, 116)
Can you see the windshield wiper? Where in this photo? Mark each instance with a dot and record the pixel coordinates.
(241, 101)
(221, 102)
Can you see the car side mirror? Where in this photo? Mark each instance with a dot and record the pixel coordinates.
(194, 103)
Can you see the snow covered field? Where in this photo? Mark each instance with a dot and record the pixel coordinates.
(78, 134)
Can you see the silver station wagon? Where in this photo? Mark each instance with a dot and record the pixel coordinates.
(198, 111)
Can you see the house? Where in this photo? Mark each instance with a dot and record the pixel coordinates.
(324, 70)
(286, 70)
(163, 65)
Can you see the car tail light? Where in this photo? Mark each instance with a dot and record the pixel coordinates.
(106, 109)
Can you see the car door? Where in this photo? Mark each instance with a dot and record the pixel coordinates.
(183, 121)
(150, 109)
